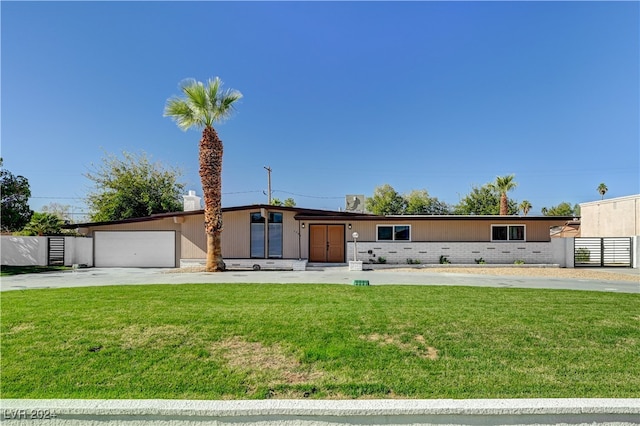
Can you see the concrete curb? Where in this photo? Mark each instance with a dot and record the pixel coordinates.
(322, 412)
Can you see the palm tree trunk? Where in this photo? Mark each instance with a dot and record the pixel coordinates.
(504, 204)
(211, 177)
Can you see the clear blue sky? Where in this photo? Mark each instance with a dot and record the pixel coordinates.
(339, 97)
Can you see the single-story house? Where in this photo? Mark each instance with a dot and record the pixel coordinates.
(275, 236)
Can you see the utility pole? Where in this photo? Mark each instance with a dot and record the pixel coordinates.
(268, 169)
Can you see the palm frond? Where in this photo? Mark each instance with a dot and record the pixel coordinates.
(201, 105)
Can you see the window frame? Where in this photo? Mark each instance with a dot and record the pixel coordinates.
(393, 232)
(271, 248)
(508, 229)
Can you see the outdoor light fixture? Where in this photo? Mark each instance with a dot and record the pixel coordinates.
(349, 226)
(355, 246)
(302, 225)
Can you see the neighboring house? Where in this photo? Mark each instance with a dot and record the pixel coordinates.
(276, 236)
(613, 217)
(571, 229)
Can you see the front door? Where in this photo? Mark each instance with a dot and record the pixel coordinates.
(326, 243)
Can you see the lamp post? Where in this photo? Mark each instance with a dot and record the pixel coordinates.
(355, 246)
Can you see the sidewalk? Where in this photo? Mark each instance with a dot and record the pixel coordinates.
(328, 275)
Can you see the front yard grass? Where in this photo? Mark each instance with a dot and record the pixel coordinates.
(247, 341)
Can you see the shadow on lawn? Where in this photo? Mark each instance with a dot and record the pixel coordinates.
(18, 270)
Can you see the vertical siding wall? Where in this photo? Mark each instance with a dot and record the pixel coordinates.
(453, 230)
(236, 235)
(462, 253)
(193, 239)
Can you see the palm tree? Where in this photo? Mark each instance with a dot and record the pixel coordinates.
(200, 107)
(503, 185)
(525, 207)
(602, 189)
(43, 224)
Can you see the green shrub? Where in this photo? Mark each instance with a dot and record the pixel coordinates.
(583, 255)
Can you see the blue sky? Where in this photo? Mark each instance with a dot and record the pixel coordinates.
(339, 97)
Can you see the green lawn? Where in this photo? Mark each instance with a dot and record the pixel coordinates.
(17, 270)
(319, 341)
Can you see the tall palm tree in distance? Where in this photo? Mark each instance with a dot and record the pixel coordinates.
(525, 207)
(602, 189)
(502, 185)
(201, 106)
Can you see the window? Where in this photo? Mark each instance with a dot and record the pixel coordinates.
(257, 235)
(394, 233)
(274, 239)
(275, 235)
(507, 233)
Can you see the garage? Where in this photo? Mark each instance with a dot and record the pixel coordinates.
(137, 249)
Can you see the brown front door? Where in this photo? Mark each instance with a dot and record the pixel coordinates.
(326, 243)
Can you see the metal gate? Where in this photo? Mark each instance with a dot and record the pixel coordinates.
(603, 252)
(56, 251)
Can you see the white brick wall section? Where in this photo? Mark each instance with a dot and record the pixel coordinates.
(458, 253)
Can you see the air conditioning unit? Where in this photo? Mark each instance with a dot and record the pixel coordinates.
(354, 203)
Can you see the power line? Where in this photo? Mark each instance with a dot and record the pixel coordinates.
(310, 196)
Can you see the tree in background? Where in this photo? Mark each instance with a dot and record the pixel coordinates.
(200, 107)
(289, 202)
(419, 202)
(502, 185)
(562, 209)
(602, 189)
(15, 212)
(525, 207)
(43, 224)
(386, 201)
(133, 187)
(484, 200)
(62, 211)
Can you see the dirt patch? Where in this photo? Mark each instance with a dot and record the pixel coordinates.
(416, 345)
(260, 360)
(19, 328)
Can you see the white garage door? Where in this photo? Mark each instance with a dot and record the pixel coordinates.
(150, 249)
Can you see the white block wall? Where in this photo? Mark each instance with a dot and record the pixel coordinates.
(292, 264)
(553, 252)
(78, 251)
(32, 251)
(24, 251)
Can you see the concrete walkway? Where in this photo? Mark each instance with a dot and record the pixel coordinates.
(328, 275)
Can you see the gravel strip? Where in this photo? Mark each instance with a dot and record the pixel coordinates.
(572, 273)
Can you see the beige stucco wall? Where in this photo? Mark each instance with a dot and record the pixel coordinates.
(615, 217)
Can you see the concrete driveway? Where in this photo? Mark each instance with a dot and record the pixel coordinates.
(329, 275)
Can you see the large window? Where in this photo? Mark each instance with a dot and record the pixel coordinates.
(257, 235)
(507, 233)
(394, 233)
(273, 237)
